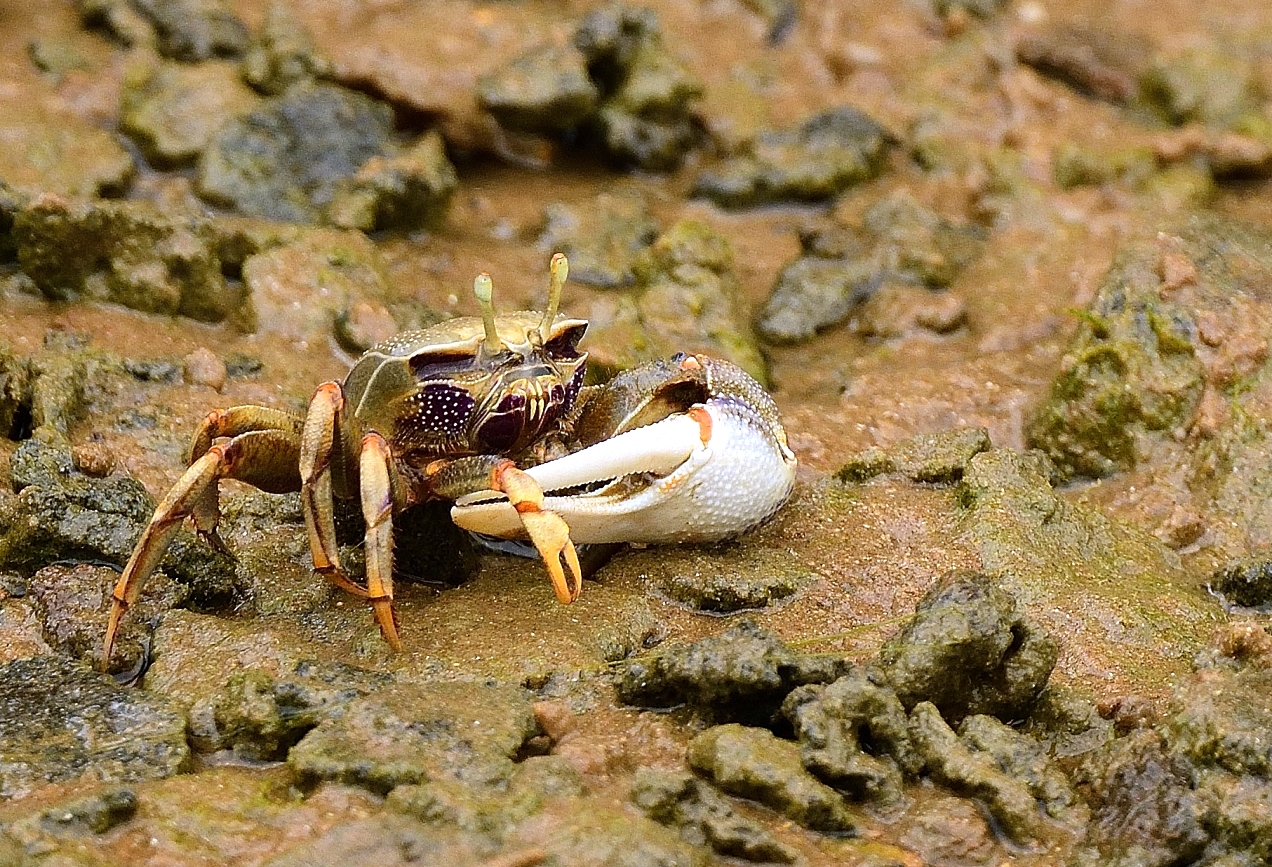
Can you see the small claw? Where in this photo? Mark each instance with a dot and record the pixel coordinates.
(547, 530)
(382, 607)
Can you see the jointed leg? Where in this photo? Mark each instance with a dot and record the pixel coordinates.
(265, 458)
(378, 484)
(547, 530)
(323, 441)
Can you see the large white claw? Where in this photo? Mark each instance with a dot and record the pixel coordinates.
(707, 474)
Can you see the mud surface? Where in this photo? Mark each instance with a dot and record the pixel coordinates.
(1004, 267)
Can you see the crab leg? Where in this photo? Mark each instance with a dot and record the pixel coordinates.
(377, 486)
(452, 479)
(264, 458)
(322, 440)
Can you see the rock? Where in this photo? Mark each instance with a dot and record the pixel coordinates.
(96, 814)
(119, 19)
(1246, 582)
(1209, 85)
(1221, 718)
(195, 30)
(391, 840)
(301, 288)
(975, 774)
(418, 732)
(1136, 777)
(753, 763)
(408, 190)
(834, 723)
(743, 579)
(969, 650)
(286, 160)
(125, 253)
(1075, 165)
(51, 151)
(546, 90)
(58, 721)
(687, 299)
(589, 831)
(742, 674)
(72, 604)
(939, 458)
(899, 241)
(942, 829)
(1100, 63)
(1172, 320)
(477, 808)
(1026, 760)
(602, 240)
(20, 634)
(1049, 553)
(645, 116)
(11, 202)
(204, 367)
(172, 110)
(64, 515)
(702, 816)
(812, 162)
(261, 716)
(283, 53)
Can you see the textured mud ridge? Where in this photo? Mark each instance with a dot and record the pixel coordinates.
(1004, 267)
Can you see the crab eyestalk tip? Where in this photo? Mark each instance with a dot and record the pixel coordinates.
(484, 289)
(559, 269)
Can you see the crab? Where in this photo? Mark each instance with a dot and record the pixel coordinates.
(490, 413)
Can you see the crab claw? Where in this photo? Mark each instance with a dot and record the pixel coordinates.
(547, 530)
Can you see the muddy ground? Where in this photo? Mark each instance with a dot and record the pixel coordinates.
(1004, 266)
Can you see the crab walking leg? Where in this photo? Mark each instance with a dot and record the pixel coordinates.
(377, 485)
(484, 474)
(321, 438)
(232, 422)
(261, 458)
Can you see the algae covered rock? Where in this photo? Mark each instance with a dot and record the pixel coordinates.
(835, 723)
(703, 816)
(172, 110)
(302, 288)
(50, 151)
(969, 650)
(59, 720)
(742, 674)
(754, 763)
(126, 253)
(544, 90)
(417, 732)
(286, 160)
(899, 241)
(282, 53)
(646, 95)
(1137, 776)
(62, 514)
(939, 458)
(601, 239)
(686, 299)
(975, 774)
(812, 162)
(194, 30)
(409, 189)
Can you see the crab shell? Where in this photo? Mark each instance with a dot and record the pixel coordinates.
(440, 391)
(715, 470)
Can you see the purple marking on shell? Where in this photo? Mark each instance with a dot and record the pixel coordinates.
(443, 407)
(500, 432)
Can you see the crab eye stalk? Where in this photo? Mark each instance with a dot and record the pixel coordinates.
(559, 269)
(484, 289)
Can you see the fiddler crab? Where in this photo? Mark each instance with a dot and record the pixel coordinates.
(491, 413)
